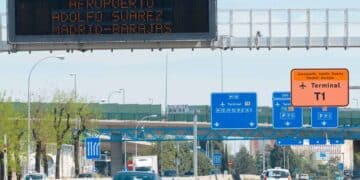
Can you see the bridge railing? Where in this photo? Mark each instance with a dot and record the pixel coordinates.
(289, 28)
(279, 28)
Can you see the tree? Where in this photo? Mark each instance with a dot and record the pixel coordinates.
(276, 157)
(62, 110)
(84, 114)
(41, 132)
(224, 161)
(205, 165)
(168, 156)
(244, 163)
(12, 125)
(259, 162)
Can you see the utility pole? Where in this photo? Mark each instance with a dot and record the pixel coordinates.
(177, 159)
(284, 158)
(263, 155)
(5, 159)
(195, 154)
(166, 84)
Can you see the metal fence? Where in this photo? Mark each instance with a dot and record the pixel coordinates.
(258, 28)
(282, 28)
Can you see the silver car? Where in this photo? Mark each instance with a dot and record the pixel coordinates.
(278, 174)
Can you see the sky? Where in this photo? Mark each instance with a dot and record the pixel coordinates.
(192, 75)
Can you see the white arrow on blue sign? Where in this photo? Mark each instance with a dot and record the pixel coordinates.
(289, 142)
(337, 141)
(324, 117)
(217, 159)
(234, 111)
(93, 148)
(285, 116)
(317, 141)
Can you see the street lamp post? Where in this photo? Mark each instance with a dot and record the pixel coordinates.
(29, 107)
(136, 129)
(75, 87)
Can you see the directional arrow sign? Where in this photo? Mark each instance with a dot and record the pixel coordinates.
(337, 141)
(319, 87)
(289, 142)
(234, 111)
(317, 141)
(92, 148)
(217, 159)
(285, 116)
(324, 117)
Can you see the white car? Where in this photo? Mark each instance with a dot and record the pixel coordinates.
(304, 177)
(277, 174)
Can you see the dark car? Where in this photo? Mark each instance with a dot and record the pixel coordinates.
(135, 175)
(86, 175)
(169, 173)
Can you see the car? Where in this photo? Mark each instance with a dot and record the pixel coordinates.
(304, 177)
(87, 175)
(136, 175)
(169, 173)
(277, 174)
(214, 171)
(35, 176)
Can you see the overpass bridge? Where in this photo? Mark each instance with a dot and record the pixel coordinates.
(240, 28)
(130, 130)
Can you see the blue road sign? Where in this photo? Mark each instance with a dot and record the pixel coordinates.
(341, 166)
(317, 141)
(234, 111)
(217, 159)
(337, 141)
(285, 116)
(290, 142)
(92, 148)
(324, 117)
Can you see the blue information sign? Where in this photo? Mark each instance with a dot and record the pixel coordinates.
(337, 141)
(92, 148)
(217, 159)
(289, 141)
(341, 166)
(234, 111)
(285, 116)
(327, 117)
(317, 141)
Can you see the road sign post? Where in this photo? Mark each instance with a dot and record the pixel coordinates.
(319, 87)
(285, 116)
(234, 111)
(93, 148)
(324, 117)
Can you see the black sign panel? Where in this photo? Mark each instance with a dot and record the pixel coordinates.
(111, 20)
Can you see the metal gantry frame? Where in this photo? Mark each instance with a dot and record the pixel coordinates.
(205, 134)
(243, 28)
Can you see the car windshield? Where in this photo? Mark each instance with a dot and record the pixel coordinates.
(135, 176)
(279, 174)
